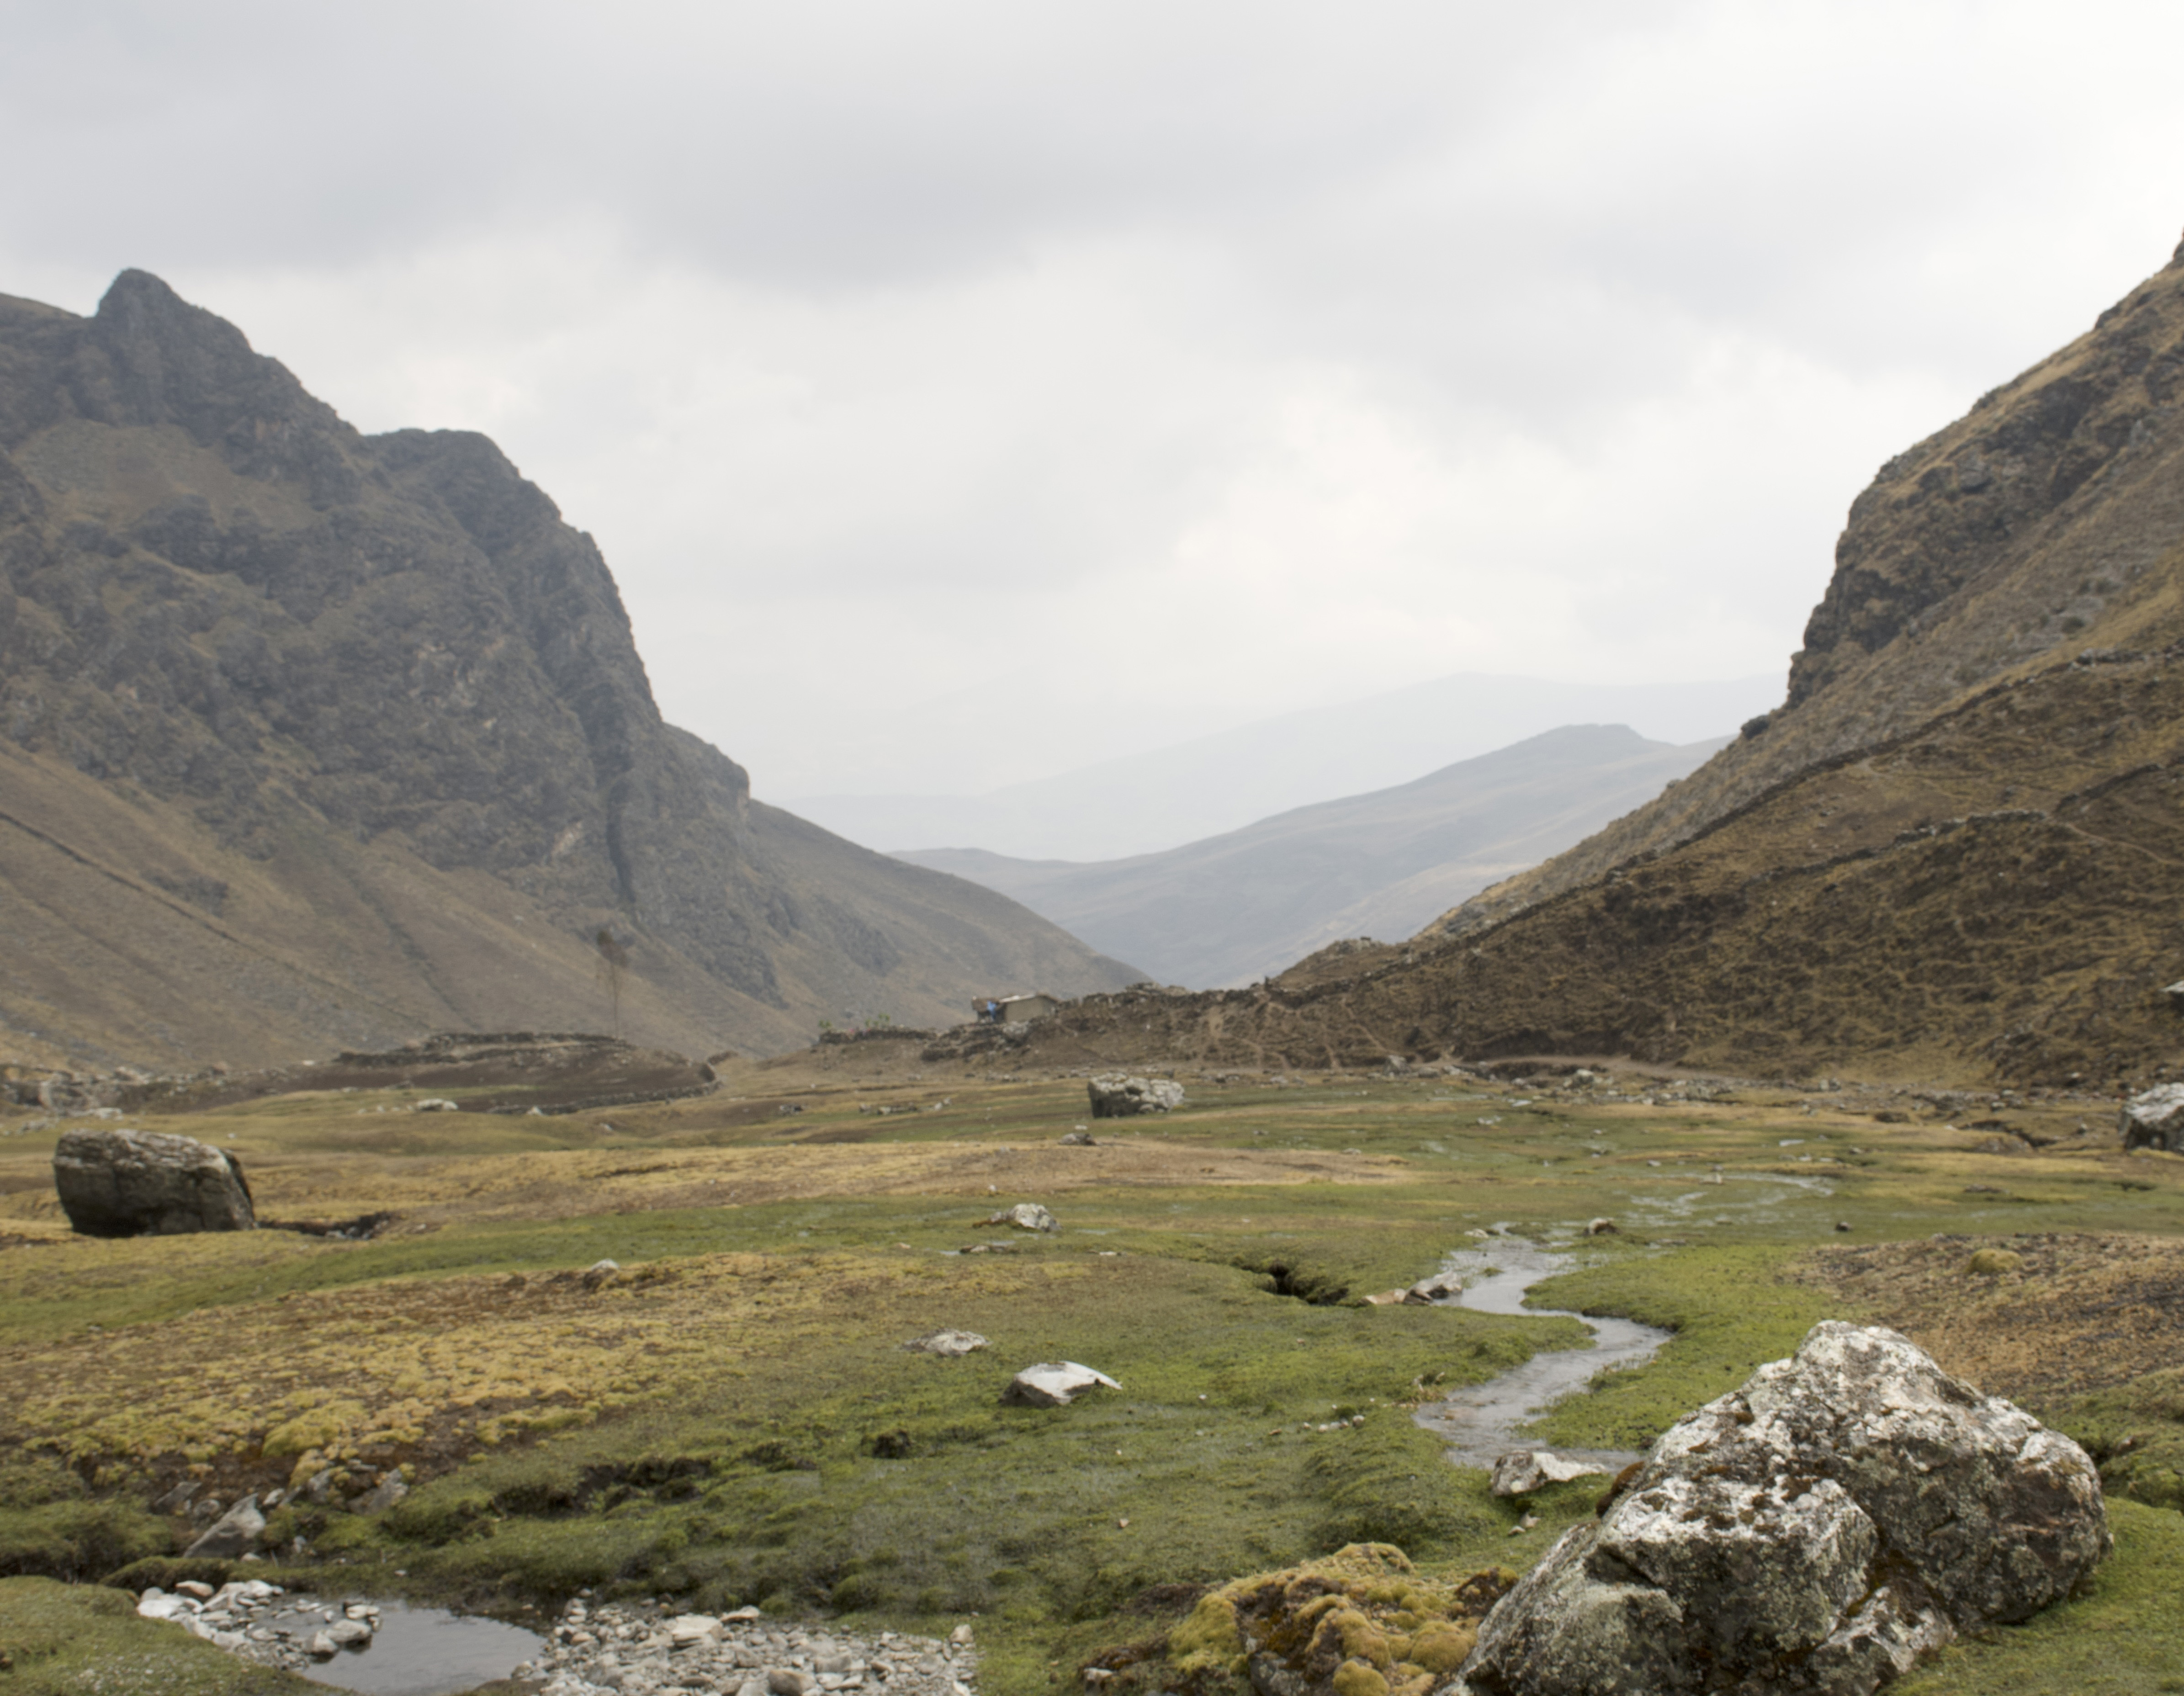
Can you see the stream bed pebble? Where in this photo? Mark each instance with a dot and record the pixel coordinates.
(595, 1648)
(614, 1650)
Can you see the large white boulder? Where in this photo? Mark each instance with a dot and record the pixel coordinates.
(1821, 1530)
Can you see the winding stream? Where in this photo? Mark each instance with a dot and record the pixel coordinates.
(1480, 1422)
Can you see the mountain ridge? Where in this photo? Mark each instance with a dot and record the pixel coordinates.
(1248, 903)
(367, 672)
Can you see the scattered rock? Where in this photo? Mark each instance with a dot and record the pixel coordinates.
(1116, 1097)
(1025, 1216)
(1823, 1529)
(148, 1183)
(350, 1633)
(1053, 1383)
(177, 1499)
(434, 1104)
(687, 1631)
(1077, 1139)
(322, 1646)
(1442, 1286)
(601, 1272)
(1522, 1470)
(948, 1344)
(235, 1533)
(383, 1495)
(156, 1603)
(1601, 1227)
(2153, 1119)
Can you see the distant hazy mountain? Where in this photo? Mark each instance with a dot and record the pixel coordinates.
(1241, 906)
(1199, 787)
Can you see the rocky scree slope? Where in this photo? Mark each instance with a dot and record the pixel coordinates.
(312, 739)
(1951, 856)
(2043, 521)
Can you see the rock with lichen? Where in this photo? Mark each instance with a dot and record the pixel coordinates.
(1823, 1529)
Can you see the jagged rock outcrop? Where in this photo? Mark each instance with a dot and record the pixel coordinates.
(351, 732)
(1823, 1529)
(148, 1183)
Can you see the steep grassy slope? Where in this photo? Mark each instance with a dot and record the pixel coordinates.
(310, 738)
(1237, 906)
(2045, 521)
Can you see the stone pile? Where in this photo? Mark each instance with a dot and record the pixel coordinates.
(612, 1649)
(260, 1622)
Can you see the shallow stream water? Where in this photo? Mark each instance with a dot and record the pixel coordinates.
(421, 1651)
(1480, 1422)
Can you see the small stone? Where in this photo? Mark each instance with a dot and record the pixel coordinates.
(235, 1533)
(1053, 1383)
(343, 1633)
(1600, 1227)
(321, 1646)
(948, 1344)
(383, 1495)
(177, 1499)
(1024, 1216)
(1522, 1470)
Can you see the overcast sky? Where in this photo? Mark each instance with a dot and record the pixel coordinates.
(1156, 366)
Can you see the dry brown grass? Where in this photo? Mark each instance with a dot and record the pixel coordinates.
(2076, 1312)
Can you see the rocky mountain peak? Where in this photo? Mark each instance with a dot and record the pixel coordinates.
(217, 596)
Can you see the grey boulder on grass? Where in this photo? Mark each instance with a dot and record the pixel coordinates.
(1840, 1518)
(2154, 1118)
(148, 1183)
(1116, 1097)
